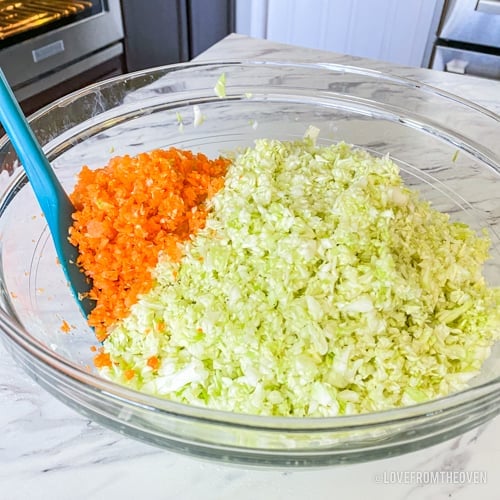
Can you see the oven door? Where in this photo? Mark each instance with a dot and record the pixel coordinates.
(60, 42)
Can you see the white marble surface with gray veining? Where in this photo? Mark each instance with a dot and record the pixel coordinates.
(48, 451)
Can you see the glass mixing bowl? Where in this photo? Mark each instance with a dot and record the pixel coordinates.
(448, 149)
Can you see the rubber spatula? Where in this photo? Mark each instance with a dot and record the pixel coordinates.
(49, 192)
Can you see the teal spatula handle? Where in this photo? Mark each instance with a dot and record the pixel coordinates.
(51, 196)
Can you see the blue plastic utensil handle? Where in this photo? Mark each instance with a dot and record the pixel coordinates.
(49, 192)
(51, 196)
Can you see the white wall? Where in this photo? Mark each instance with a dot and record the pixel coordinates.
(251, 17)
(391, 30)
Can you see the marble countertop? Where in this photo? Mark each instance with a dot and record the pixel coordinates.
(48, 451)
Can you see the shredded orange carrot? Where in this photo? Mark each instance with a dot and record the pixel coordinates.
(102, 359)
(129, 212)
(65, 326)
(153, 362)
(129, 374)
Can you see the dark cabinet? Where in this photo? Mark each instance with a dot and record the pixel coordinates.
(159, 32)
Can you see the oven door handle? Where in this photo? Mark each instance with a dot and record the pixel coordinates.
(488, 6)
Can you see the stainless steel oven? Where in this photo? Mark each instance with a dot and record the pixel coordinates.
(468, 38)
(51, 47)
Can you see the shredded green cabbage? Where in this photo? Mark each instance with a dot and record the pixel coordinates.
(320, 286)
(220, 86)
